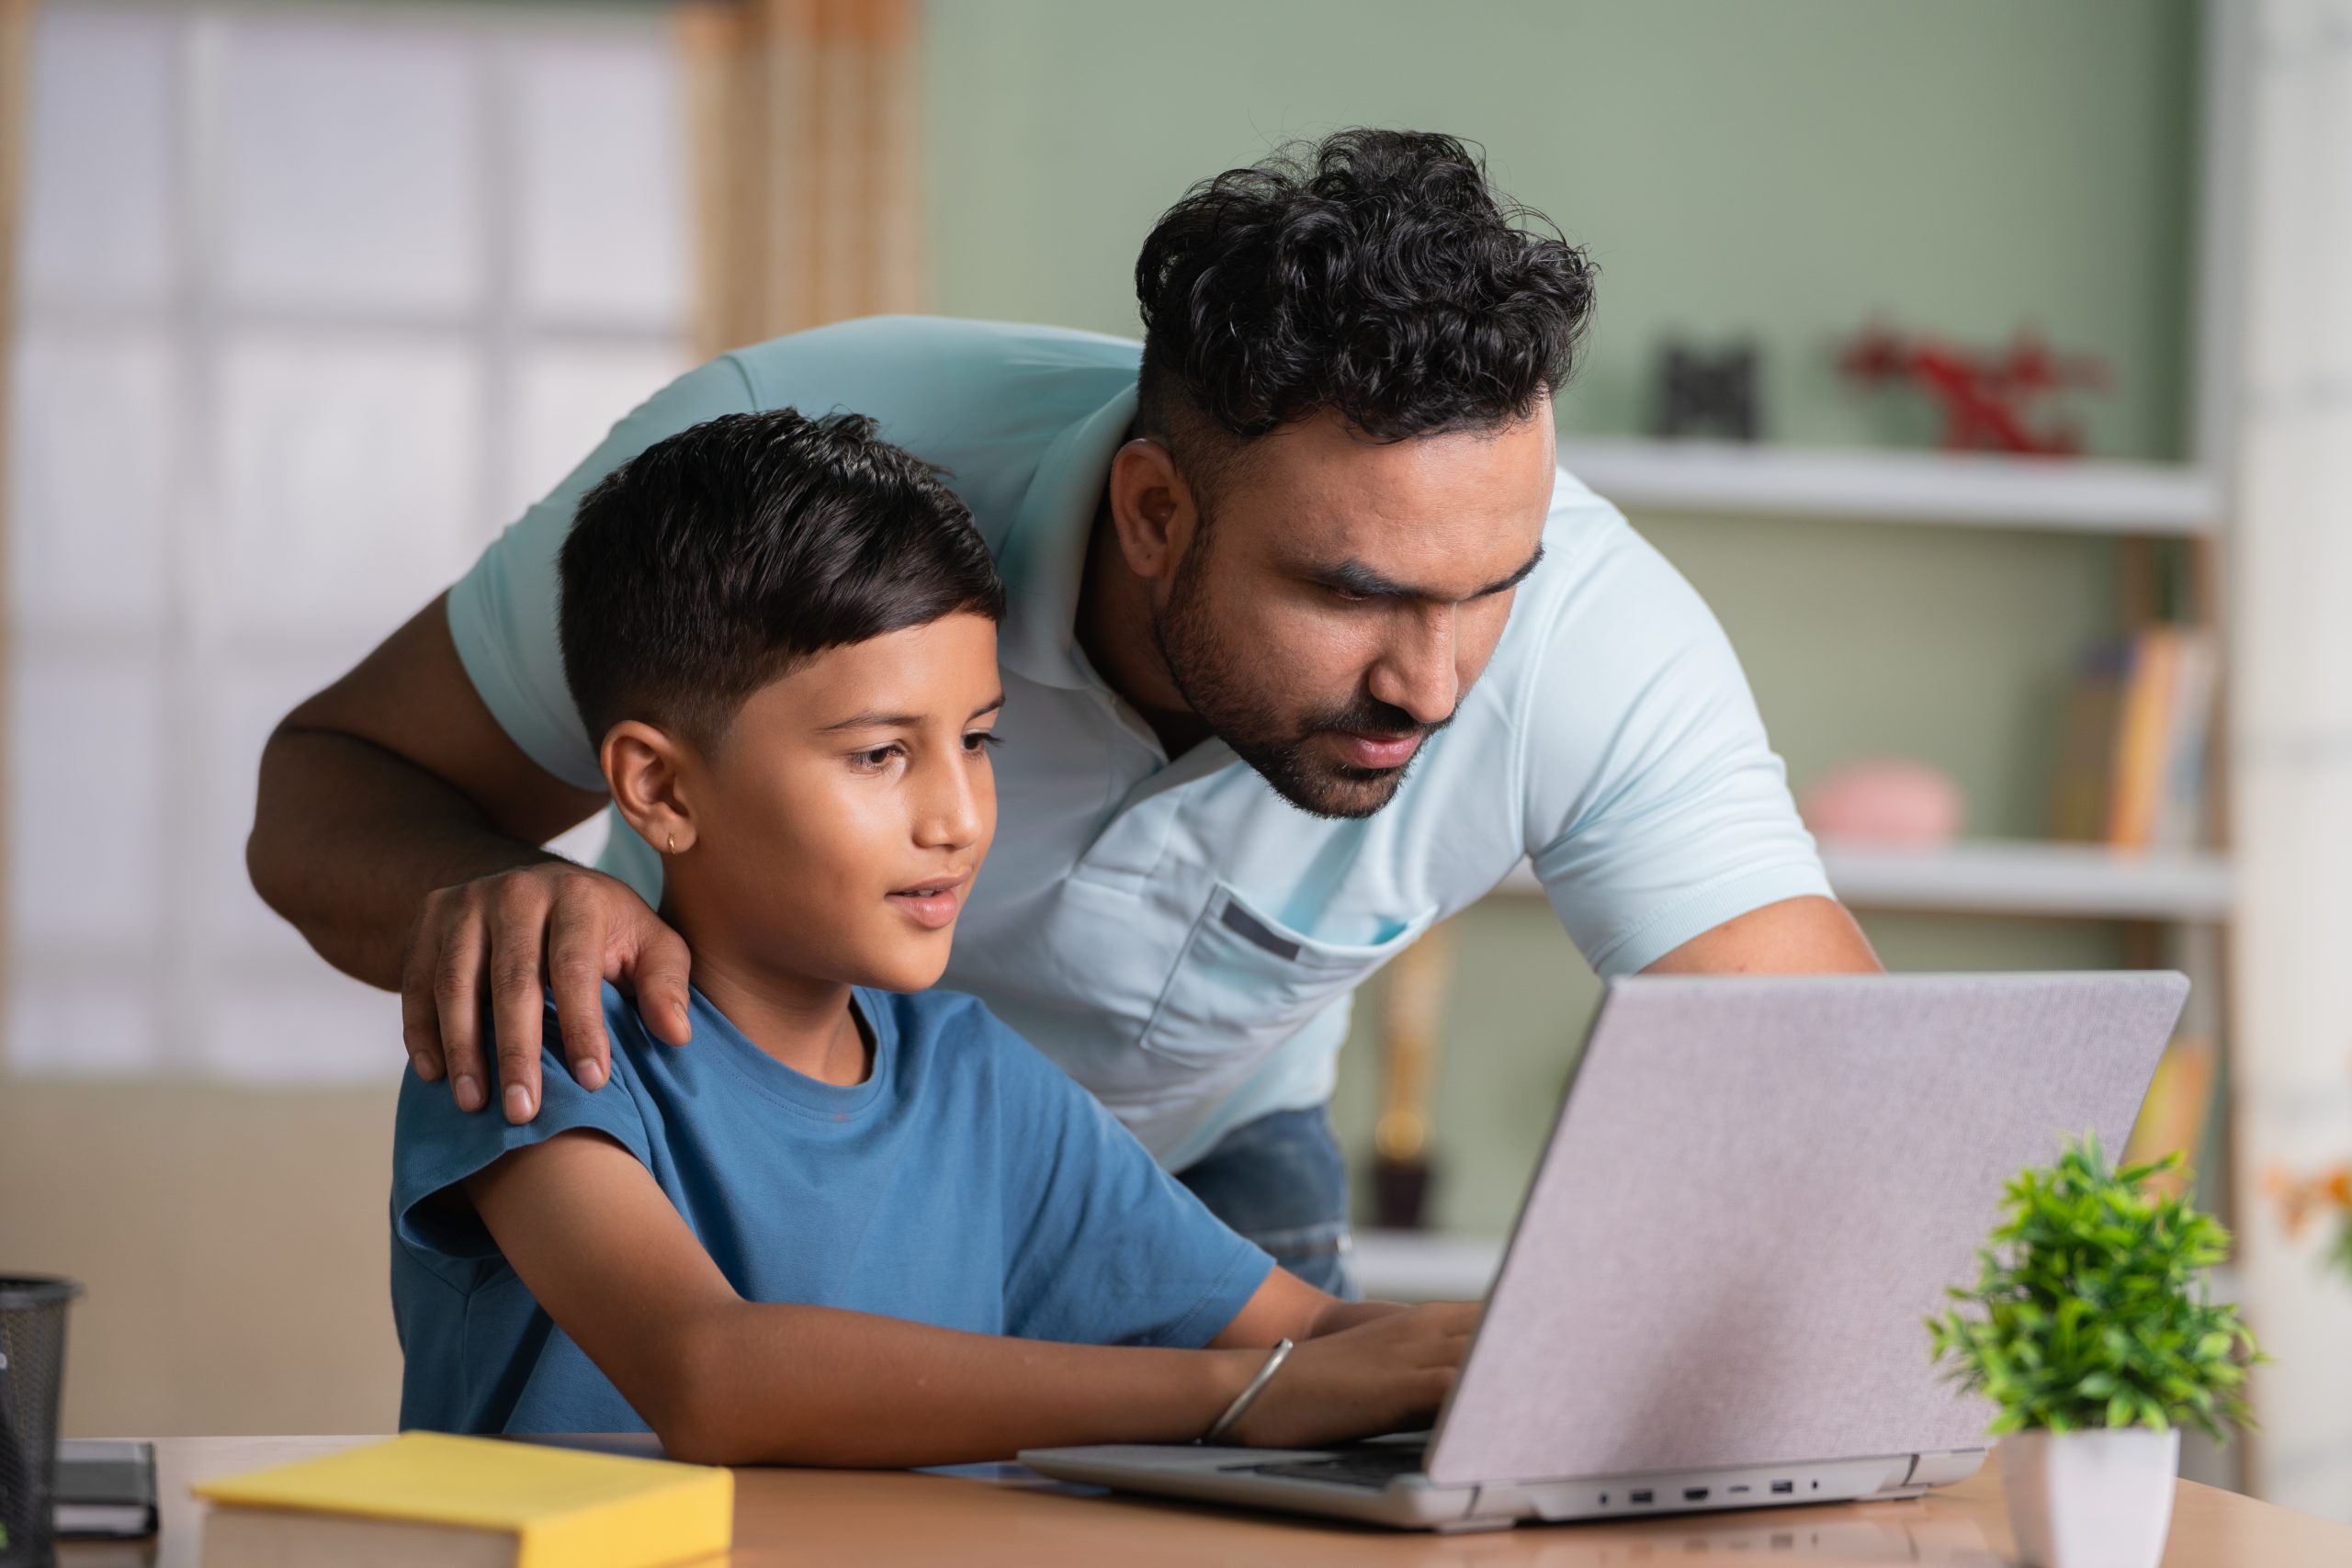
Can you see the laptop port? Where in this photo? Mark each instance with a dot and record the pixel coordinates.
(1694, 1494)
(1641, 1496)
(1740, 1489)
(1784, 1486)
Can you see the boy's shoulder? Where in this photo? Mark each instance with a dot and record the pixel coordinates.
(941, 1034)
(623, 1027)
(924, 1019)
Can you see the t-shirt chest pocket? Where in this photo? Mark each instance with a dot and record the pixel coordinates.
(1245, 982)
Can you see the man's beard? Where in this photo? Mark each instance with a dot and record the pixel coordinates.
(1215, 682)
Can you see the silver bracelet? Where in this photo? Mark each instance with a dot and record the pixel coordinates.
(1248, 1396)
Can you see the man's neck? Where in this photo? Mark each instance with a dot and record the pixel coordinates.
(805, 1022)
(1113, 629)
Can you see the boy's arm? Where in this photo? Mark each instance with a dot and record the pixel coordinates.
(725, 1381)
(1288, 1307)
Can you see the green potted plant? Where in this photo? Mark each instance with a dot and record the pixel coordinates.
(2092, 1330)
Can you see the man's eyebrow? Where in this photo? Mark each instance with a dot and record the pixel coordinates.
(901, 720)
(1351, 576)
(1504, 585)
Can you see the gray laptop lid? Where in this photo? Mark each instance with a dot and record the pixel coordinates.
(1756, 1191)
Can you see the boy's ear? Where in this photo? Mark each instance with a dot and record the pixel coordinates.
(1152, 508)
(644, 768)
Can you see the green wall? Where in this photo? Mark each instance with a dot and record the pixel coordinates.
(1776, 168)
(1772, 169)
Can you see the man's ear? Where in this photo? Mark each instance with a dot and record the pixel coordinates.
(1151, 507)
(644, 768)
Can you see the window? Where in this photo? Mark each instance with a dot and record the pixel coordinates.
(314, 300)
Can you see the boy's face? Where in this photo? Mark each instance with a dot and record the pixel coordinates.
(849, 809)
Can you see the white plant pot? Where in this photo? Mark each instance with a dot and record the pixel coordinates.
(2096, 1499)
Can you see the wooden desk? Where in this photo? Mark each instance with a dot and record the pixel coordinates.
(1015, 1519)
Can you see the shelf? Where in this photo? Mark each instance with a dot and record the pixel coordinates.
(1998, 877)
(1429, 1266)
(1983, 489)
(2079, 881)
(1425, 1266)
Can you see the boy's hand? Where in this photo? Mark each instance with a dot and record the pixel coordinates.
(503, 933)
(1388, 1375)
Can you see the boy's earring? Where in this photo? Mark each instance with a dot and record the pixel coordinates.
(673, 842)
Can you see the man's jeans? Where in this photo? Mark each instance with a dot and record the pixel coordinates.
(1280, 1181)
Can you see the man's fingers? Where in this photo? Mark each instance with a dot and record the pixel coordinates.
(520, 935)
(658, 976)
(576, 975)
(420, 1021)
(457, 1001)
(517, 949)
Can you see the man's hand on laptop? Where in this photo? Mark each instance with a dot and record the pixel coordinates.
(502, 939)
(1390, 1374)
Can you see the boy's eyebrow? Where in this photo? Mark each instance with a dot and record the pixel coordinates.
(901, 720)
(1352, 576)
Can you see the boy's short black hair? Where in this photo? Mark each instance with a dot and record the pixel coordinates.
(713, 562)
(1374, 274)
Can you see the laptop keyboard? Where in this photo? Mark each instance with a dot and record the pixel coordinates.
(1374, 1467)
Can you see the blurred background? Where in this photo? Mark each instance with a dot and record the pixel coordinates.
(304, 301)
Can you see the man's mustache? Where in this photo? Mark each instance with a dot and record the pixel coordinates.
(1368, 715)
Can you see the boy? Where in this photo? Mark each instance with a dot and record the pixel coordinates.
(860, 1223)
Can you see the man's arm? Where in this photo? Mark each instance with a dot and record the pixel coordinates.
(397, 828)
(724, 1381)
(1796, 936)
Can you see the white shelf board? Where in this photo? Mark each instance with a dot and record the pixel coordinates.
(2084, 494)
(1425, 1266)
(1430, 1266)
(2014, 877)
(1998, 878)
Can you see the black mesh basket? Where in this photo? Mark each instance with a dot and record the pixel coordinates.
(32, 1341)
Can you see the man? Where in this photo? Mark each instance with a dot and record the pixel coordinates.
(1307, 644)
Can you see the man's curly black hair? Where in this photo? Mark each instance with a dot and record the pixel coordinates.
(1373, 274)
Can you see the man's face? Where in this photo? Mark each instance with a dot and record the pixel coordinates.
(1345, 593)
(850, 807)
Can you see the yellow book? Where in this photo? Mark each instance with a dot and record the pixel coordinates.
(2141, 743)
(424, 1497)
(2172, 1117)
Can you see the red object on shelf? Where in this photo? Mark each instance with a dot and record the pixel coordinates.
(1984, 396)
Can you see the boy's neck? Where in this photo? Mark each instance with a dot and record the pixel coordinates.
(805, 1022)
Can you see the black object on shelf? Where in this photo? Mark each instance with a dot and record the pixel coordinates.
(1708, 394)
(1400, 1193)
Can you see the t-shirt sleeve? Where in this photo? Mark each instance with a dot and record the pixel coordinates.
(435, 1145)
(503, 612)
(1103, 1246)
(1656, 807)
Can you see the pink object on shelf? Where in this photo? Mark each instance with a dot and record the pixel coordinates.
(1887, 801)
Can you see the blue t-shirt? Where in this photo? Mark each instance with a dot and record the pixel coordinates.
(966, 1183)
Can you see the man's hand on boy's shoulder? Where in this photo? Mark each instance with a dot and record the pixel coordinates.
(512, 938)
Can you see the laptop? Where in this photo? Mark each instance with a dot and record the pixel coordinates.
(1755, 1193)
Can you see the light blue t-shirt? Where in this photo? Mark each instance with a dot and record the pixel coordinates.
(1182, 940)
(966, 1183)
